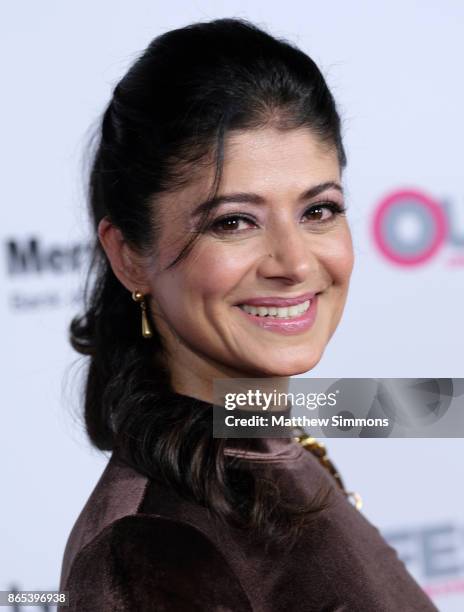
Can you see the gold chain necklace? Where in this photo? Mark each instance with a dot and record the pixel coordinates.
(319, 451)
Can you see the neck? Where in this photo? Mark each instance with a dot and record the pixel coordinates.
(208, 381)
(272, 391)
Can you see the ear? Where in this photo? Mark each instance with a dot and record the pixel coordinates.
(125, 263)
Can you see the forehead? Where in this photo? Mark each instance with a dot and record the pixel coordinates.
(270, 156)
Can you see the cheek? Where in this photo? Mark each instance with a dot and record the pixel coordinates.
(215, 272)
(339, 258)
(211, 274)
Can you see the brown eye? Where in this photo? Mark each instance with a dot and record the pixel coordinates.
(229, 225)
(320, 213)
(316, 213)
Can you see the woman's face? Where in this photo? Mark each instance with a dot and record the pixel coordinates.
(282, 239)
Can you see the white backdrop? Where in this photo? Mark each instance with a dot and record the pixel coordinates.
(395, 69)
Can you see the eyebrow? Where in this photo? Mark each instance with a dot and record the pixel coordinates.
(254, 198)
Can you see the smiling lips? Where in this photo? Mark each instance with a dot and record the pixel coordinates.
(278, 301)
(274, 311)
(282, 315)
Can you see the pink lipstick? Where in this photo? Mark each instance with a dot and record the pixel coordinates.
(290, 326)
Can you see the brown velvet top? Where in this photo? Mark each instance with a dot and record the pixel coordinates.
(136, 546)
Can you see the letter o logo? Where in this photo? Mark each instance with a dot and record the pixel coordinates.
(430, 224)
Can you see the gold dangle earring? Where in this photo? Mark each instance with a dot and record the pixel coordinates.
(138, 296)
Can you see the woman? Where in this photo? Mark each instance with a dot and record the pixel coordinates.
(216, 195)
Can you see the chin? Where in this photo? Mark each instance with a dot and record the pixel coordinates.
(292, 368)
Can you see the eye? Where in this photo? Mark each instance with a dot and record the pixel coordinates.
(229, 224)
(324, 211)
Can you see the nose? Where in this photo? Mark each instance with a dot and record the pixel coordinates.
(292, 257)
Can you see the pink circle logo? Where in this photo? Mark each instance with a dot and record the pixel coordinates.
(424, 214)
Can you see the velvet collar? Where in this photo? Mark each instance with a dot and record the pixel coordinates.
(268, 448)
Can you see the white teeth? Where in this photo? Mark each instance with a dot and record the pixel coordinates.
(293, 311)
(286, 312)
